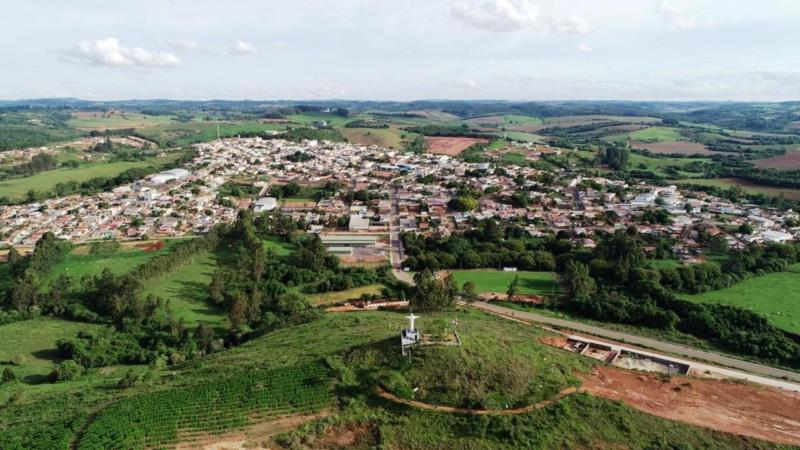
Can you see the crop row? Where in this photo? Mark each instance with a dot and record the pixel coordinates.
(154, 420)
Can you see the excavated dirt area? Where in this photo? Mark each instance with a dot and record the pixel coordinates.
(256, 437)
(732, 407)
(360, 435)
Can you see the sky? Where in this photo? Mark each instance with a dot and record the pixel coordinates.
(401, 49)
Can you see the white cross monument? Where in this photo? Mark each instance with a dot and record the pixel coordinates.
(411, 319)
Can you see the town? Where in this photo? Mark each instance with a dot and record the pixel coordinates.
(405, 192)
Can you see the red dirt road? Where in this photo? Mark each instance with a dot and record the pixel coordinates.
(744, 409)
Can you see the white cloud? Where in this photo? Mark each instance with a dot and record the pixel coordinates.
(242, 48)
(471, 84)
(182, 44)
(675, 16)
(570, 25)
(584, 47)
(109, 52)
(501, 16)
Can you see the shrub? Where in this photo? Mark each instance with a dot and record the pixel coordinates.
(67, 370)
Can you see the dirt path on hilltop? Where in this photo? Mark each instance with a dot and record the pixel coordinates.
(478, 412)
(733, 407)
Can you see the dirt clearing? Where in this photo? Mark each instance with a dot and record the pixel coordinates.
(451, 146)
(256, 437)
(727, 406)
(789, 161)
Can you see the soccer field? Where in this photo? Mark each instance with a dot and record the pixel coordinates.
(536, 283)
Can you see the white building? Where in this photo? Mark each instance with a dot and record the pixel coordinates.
(265, 204)
(170, 175)
(358, 223)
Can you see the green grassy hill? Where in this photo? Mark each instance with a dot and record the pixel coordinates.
(240, 386)
(775, 295)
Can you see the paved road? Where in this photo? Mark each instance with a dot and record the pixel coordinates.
(396, 255)
(666, 347)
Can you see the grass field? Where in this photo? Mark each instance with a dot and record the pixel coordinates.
(655, 134)
(112, 120)
(17, 188)
(186, 289)
(657, 165)
(521, 136)
(329, 298)
(775, 295)
(194, 132)
(280, 248)
(514, 158)
(29, 346)
(310, 118)
(79, 262)
(505, 120)
(536, 283)
(747, 186)
(382, 137)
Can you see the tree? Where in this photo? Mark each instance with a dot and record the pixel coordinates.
(16, 262)
(237, 312)
(462, 203)
(746, 228)
(581, 285)
(513, 289)
(432, 294)
(470, 292)
(616, 156)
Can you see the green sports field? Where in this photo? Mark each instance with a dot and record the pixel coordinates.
(535, 283)
(775, 295)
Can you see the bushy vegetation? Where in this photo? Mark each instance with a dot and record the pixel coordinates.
(257, 290)
(26, 128)
(489, 245)
(615, 282)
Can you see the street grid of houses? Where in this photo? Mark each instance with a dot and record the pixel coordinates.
(185, 201)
